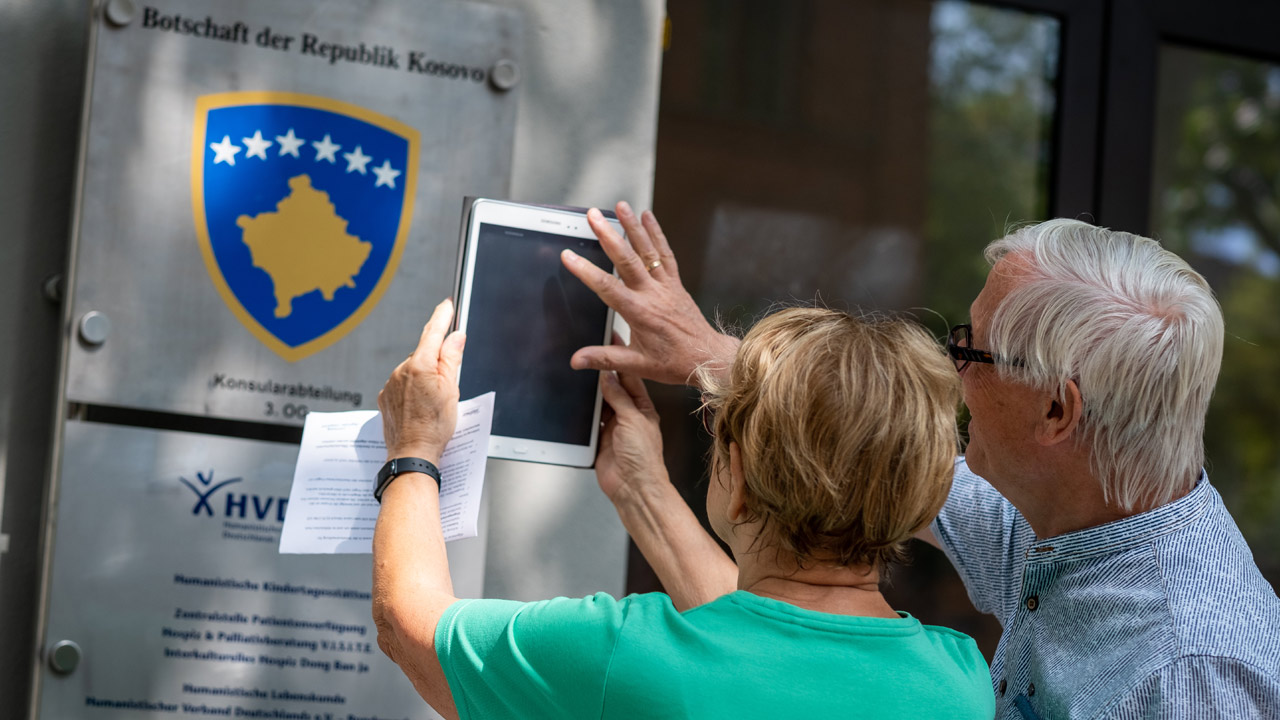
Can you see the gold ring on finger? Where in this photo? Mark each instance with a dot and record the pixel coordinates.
(653, 265)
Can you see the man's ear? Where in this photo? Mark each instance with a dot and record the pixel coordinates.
(737, 510)
(1062, 415)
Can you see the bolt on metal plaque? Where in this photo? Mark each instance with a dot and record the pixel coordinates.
(270, 195)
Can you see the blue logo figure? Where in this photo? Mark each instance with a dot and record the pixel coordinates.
(202, 496)
(302, 205)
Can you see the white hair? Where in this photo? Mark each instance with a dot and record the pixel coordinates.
(1139, 332)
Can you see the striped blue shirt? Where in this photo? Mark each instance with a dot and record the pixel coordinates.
(1159, 615)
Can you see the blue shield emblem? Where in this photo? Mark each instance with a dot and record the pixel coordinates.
(302, 205)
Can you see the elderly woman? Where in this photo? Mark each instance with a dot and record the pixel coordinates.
(834, 443)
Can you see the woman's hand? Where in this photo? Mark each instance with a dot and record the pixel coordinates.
(630, 443)
(691, 566)
(419, 403)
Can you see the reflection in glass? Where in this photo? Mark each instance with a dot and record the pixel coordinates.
(1214, 201)
(860, 152)
(992, 101)
(857, 153)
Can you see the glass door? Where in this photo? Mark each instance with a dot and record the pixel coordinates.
(1215, 200)
(1190, 155)
(859, 155)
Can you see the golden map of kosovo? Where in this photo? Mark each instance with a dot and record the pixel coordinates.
(304, 246)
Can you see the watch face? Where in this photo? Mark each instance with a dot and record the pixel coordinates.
(384, 475)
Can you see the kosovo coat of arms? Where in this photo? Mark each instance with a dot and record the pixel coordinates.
(302, 205)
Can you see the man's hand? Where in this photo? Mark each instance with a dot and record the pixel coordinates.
(630, 444)
(419, 403)
(669, 336)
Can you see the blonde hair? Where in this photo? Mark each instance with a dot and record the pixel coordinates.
(1136, 328)
(846, 428)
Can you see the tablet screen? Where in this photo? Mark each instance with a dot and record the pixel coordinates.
(527, 317)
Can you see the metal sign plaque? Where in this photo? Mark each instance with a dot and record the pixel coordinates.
(169, 597)
(270, 195)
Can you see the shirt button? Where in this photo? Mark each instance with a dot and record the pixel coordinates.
(1004, 685)
(1031, 689)
(1033, 602)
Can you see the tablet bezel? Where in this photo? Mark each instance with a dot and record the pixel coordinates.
(557, 221)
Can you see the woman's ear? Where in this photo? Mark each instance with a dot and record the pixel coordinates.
(1062, 415)
(737, 510)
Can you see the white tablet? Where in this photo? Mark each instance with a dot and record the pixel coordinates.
(525, 316)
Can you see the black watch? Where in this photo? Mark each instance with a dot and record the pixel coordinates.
(396, 467)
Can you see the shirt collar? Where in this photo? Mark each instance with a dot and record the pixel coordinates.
(1127, 532)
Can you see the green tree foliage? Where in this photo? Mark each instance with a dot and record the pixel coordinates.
(991, 113)
(1215, 202)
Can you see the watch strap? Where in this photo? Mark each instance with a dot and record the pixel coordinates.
(398, 466)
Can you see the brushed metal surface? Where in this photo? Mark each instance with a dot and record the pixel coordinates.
(138, 259)
(166, 561)
(585, 134)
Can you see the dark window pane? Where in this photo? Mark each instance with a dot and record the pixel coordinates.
(1214, 201)
(856, 153)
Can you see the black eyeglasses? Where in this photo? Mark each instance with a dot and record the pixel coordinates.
(960, 348)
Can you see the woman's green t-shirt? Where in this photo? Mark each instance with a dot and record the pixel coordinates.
(740, 656)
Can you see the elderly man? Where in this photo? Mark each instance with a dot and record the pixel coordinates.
(1080, 515)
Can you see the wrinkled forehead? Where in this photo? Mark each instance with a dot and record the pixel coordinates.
(1008, 273)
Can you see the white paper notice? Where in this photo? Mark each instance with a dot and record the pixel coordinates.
(331, 505)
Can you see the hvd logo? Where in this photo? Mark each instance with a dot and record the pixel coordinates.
(236, 505)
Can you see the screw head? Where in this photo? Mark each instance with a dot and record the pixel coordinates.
(121, 12)
(94, 328)
(64, 657)
(52, 288)
(504, 74)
